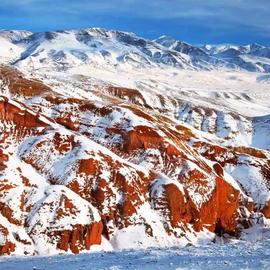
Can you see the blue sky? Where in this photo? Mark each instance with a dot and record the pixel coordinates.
(195, 21)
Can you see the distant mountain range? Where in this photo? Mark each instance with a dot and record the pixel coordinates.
(64, 49)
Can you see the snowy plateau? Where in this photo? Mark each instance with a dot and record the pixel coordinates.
(133, 153)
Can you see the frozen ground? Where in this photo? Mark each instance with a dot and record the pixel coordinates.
(240, 255)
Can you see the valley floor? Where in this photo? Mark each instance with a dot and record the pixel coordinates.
(238, 255)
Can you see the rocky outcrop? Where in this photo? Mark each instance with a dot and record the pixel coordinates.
(19, 115)
(6, 246)
(266, 209)
(17, 84)
(221, 212)
(80, 237)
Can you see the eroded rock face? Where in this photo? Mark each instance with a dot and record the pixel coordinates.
(74, 172)
(18, 115)
(173, 201)
(219, 214)
(3, 159)
(221, 211)
(80, 238)
(6, 246)
(17, 84)
(266, 209)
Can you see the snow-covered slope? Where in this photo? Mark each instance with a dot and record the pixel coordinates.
(239, 254)
(112, 141)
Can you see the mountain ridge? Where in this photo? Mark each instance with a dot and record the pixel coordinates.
(138, 51)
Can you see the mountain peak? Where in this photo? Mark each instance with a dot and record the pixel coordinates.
(166, 41)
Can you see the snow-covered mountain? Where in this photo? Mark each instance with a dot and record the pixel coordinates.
(252, 57)
(111, 141)
(65, 49)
